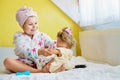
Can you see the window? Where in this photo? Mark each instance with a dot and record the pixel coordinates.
(91, 12)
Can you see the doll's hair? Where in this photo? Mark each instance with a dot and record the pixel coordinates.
(66, 35)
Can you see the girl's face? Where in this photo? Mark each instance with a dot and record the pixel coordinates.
(61, 43)
(30, 26)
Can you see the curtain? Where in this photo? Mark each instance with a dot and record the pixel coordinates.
(95, 12)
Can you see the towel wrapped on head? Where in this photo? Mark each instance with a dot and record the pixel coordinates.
(23, 13)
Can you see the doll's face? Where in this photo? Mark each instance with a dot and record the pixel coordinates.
(61, 43)
(30, 26)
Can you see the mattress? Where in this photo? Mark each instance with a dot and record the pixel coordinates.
(93, 71)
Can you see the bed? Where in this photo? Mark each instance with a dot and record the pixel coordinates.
(93, 71)
(97, 68)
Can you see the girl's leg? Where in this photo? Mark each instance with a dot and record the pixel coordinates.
(62, 68)
(17, 66)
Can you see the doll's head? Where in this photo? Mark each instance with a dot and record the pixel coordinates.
(23, 14)
(65, 38)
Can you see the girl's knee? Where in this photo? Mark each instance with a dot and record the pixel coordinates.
(7, 61)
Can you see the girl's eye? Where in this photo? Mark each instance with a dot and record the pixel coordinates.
(30, 24)
(36, 23)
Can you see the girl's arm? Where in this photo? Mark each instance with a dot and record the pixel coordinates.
(23, 46)
(44, 52)
(49, 43)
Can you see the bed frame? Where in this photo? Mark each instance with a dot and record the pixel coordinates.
(101, 45)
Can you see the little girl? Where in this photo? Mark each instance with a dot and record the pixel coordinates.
(63, 51)
(29, 43)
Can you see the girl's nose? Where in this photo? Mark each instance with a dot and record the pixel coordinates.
(34, 26)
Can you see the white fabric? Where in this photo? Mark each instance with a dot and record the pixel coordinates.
(65, 59)
(94, 12)
(27, 49)
(93, 71)
(67, 55)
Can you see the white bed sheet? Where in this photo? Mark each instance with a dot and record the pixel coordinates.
(93, 71)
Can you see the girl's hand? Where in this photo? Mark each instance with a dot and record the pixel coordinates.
(55, 51)
(44, 52)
